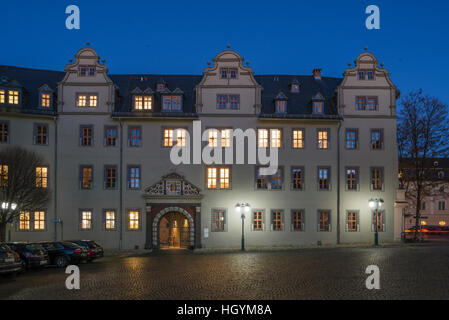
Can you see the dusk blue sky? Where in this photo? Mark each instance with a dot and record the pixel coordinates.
(277, 37)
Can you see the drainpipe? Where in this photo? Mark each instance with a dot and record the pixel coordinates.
(56, 181)
(121, 185)
(338, 183)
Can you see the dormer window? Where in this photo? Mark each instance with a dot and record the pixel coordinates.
(171, 103)
(160, 87)
(228, 73)
(318, 107)
(45, 100)
(366, 74)
(2, 96)
(144, 102)
(13, 97)
(281, 106)
(86, 71)
(295, 87)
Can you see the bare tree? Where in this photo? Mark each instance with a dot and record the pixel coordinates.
(20, 190)
(423, 134)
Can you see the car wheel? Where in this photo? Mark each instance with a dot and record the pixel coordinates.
(61, 262)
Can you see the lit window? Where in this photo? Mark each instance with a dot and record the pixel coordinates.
(82, 100)
(2, 96)
(13, 97)
(86, 138)
(221, 174)
(111, 136)
(262, 135)
(224, 178)
(376, 178)
(276, 138)
(360, 103)
(24, 221)
(213, 138)
(378, 221)
(352, 178)
(4, 132)
(376, 139)
(41, 134)
(212, 178)
(298, 220)
(298, 178)
(168, 137)
(323, 222)
(93, 100)
(281, 106)
(352, 221)
(110, 178)
(45, 100)
(298, 139)
(147, 102)
(351, 139)
(181, 137)
(138, 102)
(39, 220)
(134, 177)
(42, 177)
(86, 177)
(218, 220)
(323, 178)
(109, 219)
(323, 139)
(3, 175)
(277, 220)
(86, 220)
(318, 106)
(258, 224)
(86, 71)
(226, 138)
(135, 137)
(172, 136)
(133, 220)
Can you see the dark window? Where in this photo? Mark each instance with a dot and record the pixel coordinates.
(41, 134)
(323, 220)
(377, 178)
(277, 220)
(298, 178)
(352, 139)
(86, 71)
(134, 177)
(258, 224)
(111, 136)
(135, 137)
(281, 106)
(352, 179)
(218, 220)
(86, 136)
(298, 220)
(378, 220)
(4, 132)
(110, 177)
(352, 221)
(377, 139)
(323, 178)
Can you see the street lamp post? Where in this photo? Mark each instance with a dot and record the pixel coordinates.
(243, 208)
(13, 207)
(376, 203)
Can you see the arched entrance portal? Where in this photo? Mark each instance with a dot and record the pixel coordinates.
(174, 231)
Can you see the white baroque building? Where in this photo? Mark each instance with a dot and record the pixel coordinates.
(106, 140)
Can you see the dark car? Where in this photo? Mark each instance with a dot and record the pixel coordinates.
(94, 249)
(10, 262)
(63, 253)
(32, 255)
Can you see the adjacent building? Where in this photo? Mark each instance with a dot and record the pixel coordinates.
(106, 140)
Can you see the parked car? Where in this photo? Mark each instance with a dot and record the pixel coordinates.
(63, 253)
(10, 262)
(32, 255)
(94, 249)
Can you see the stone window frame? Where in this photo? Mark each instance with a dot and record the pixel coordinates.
(88, 99)
(225, 219)
(81, 177)
(303, 171)
(303, 220)
(174, 137)
(128, 220)
(328, 130)
(357, 212)
(303, 138)
(47, 136)
(382, 139)
(272, 212)
(329, 178)
(105, 142)
(218, 182)
(81, 135)
(268, 179)
(253, 211)
(105, 176)
(357, 169)
(128, 176)
(105, 220)
(80, 224)
(382, 177)
(130, 129)
(356, 140)
(329, 221)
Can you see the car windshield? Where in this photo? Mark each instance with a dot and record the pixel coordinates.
(34, 247)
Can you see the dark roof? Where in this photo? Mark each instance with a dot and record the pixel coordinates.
(299, 105)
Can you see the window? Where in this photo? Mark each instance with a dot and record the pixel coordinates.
(86, 136)
(377, 179)
(226, 138)
(228, 73)
(134, 177)
(441, 205)
(298, 178)
(93, 100)
(298, 139)
(295, 88)
(143, 102)
(2, 96)
(298, 220)
(323, 220)
(272, 135)
(352, 139)
(277, 220)
(135, 137)
(323, 139)
(40, 134)
(323, 178)
(133, 220)
(171, 103)
(39, 220)
(366, 75)
(42, 177)
(86, 71)
(318, 107)
(352, 221)
(171, 134)
(86, 177)
(377, 139)
(352, 179)
(262, 137)
(218, 220)
(215, 174)
(81, 100)
(13, 97)
(231, 101)
(378, 221)
(276, 138)
(110, 177)
(222, 101)
(4, 132)
(372, 103)
(168, 137)
(87, 100)
(109, 219)
(3, 175)
(24, 221)
(234, 102)
(45, 100)
(86, 220)
(110, 136)
(273, 182)
(258, 224)
(281, 106)
(181, 137)
(360, 103)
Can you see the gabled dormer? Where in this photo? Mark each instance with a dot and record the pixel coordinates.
(161, 85)
(280, 103)
(11, 93)
(318, 101)
(142, 100)
(46, 97)
(295, 86)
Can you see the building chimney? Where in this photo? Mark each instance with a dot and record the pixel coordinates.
(317, 74)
